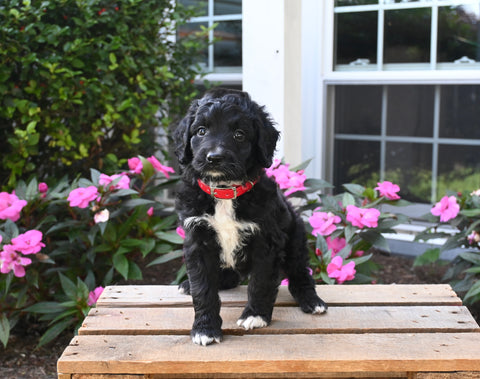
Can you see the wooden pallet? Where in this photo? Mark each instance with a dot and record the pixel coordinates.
(407, 331)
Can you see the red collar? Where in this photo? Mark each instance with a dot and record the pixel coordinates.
(226, 193)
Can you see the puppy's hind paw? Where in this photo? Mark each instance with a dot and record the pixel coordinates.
(252, 322)
(204, 340)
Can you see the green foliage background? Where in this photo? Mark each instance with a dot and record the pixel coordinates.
(86, 83)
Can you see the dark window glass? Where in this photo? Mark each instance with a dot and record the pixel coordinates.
(185, 30)
(458, 33)
(356, 37)
(227, 50)
(200, 5)
(358, 109)
(356, 162)
(221, 7)
(339, 3)
(410, 166)
(410, 111)
(458, 169)
(407, 35)
(460, 111)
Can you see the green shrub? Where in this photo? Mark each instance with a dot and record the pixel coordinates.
(86, 83)
(61, 243)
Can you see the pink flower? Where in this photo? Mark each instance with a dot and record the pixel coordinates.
(10, 206)
(180, 232)
(472, 238)
(11, 260)
(160, 167)
(335, 244)
(123, 183)
(150, 212)
(42, 187)
(323, 223)
(447, 208)
(361, 217)
(94, 295)
(388, 190)
(135, 165)
(340, 272)
(81, 197)
(29, 242)
(287, 180)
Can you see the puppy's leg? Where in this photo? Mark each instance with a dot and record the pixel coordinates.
(202, 262)
(300, 283)
(262, 293)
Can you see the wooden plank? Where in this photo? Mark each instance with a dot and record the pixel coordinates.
(416, 352)
(286, 320)
(389, 294)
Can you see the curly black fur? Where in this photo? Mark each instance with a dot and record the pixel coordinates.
(226, 138)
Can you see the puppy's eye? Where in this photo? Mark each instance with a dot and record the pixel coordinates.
(201, 131)
(239, 135)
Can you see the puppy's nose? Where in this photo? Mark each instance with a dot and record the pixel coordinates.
(214, 157)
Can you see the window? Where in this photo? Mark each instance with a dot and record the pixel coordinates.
(225, 54)
(403, 95)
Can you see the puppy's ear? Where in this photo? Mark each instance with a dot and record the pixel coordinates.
(267, 138)
(181, 136)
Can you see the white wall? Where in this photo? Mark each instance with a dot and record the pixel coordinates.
(264, 57)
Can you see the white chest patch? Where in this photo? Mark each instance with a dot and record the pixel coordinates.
(231, 233)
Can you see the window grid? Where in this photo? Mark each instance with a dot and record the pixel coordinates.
(435, 140)
(384, 5)
(211, 19)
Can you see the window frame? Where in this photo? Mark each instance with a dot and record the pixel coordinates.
(329, 78)
(234, 78)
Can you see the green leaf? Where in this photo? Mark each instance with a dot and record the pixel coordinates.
(355, 189)
(171, 237)
(348, 199)
(55, 331)
(46, 307)
(120, 262)
(4, 329)
(471, 256)
(428, 257)
(472, 293)
(68, 286)
(376, 239)
(166, 257)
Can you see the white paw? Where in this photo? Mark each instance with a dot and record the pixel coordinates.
(252, 322)
(319, 309)
(181, 291)
(204, 340)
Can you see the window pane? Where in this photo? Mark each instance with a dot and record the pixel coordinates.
(339, 3)
(228, 48)
(356, 37)
(227, 7)
(410, 111)
(458, 33)
(458, 169)
(183, 31)
(358, 109)
(460, 111)
(356, 162)
(410, 166)
(201, 5)
(407, 35)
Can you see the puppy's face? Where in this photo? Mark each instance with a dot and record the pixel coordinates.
(222, 138)
(225, 137)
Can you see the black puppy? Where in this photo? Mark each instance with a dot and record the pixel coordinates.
(237, 221)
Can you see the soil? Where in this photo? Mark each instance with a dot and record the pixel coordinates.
(20, 360)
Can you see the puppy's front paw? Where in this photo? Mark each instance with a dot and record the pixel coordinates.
(252, 322)
(314, 306)
(184, 287)
(204, 338)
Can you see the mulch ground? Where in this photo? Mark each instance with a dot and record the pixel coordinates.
(20, 360)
